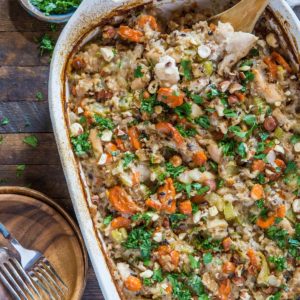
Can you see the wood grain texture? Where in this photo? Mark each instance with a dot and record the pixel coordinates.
(59, 240)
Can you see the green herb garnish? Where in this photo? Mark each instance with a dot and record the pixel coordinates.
(104, 123)
(203, 121)
(187, 69)
(55, 6)
(81, 144)
(31, 140)
(138, 72)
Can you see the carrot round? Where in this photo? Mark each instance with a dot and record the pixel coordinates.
(166, 250)
(240, 96)
(265, 223)
(133, 283)
(111, 147)
(120, 144)
(170, 97)
(130, 34)
(257, 192)
(153, 204)
(271, 66)
(121, 201)
(281, 211)
(280, 163)
(228, 267)
(199, 158)
(147, 19)
(135, 178)
(226, 243)
(169, 129)
(185, 207)
(224, 289)
(258, 165)
(134, 137)
(281, 60)
(120, 222)
(252, 257)
(166, 195)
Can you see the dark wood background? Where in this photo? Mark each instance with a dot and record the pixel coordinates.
(23, 73)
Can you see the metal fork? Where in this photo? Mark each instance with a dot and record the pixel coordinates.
(37, 273)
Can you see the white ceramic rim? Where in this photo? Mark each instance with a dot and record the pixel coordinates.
(87, 16)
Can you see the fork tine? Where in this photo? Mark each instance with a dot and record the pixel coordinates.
(26, 277)
(40, 280)
(18, 278)
(13, 282)
(47, 263)
(9, 287)
(52, 277)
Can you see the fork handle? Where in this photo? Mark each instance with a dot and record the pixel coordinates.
(4, 231)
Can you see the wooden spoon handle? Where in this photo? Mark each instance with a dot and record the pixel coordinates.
(244, 15)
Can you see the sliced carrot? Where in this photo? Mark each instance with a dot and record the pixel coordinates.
(240, 96)
(133, 283)
(227, 242)
(265, 223)
(258, 165)
(252, 257)
(153, 204)
(228, 267)
(281, 60)
(168, 289)
(280, 163)
(111, 147)
(134, 137)
(121, 201)
(224, 289)
(120, 222)
(271, 66)
(147, 19)
(130, 34)
(199, 158)
(281, 211)
(185, 207)
(135, 178)
(212, 26)
(169, 129)
(170, 97)
(257, 192)
(166, 250)
(120, 144)
(166, 195)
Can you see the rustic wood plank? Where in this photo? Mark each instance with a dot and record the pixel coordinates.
(25, 116)
(14, 151)
(14, 18)
(22, 83)
(22, 49)
(48, 179)
(92, 290)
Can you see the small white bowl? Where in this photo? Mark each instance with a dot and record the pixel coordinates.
(52, 18)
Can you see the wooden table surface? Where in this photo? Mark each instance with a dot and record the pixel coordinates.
(24, 73)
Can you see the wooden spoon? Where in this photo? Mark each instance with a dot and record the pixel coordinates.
(243, 16)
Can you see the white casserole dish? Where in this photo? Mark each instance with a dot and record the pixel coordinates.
(88, 15)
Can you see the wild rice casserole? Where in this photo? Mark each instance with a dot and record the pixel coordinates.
(189, 138)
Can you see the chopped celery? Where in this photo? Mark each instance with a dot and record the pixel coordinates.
(264, 273)
(278, 133)
(291, 216)
(119, 235)
(208, 67)
(229, 211)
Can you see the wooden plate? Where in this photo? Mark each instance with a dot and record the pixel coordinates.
(39, 223)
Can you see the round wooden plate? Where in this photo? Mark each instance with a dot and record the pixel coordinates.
(40, 224)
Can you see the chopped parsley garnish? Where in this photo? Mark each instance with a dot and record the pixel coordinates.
(140, 238)
(230, 113)
(264, 136)
(147, 105)
(194, 262)
(207, 258)
(156, 277)
(291, 167)
(249, 76)
(260, 178)
(276, 296)
(175, 219)
(145, 217)
(173, 171)
(128, 158)
(39, 96)
(228, 146)
(203, 121)
(260, 203)
(187, 69)
(104, 123)
(55, 6)
(250, 119)
(4, 121)
(241, 150)
(208, 243)
(183, 110)
(31, 140)
(186, 132)
(238, 131)
(20, 170)
(254, 52)
(46, 44)
(278, 235)
(189, 187)
(179, 290)
(279, 262)
(196, 98)
(213, 93)
(138, 72)
(295, 139)
(107, 220)
(81, 144)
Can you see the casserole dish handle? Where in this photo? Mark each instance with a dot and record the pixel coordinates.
(293, 3)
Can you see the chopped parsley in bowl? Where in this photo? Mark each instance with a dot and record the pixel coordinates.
(56, 6)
